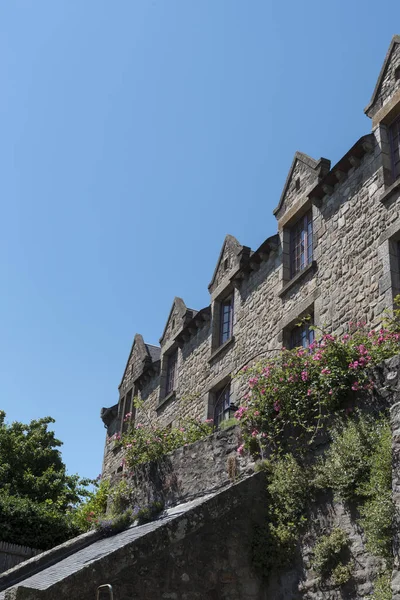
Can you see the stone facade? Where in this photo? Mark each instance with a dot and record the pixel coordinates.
(350, 274)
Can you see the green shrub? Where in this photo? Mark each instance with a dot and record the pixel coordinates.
(292, 395)
(147, 443)
(382, 587)
(331, 557)
(37, 525)
(358, 468)
(288, 492)
(377, 513)
(346, 465)
(86, 514)
(228, 423)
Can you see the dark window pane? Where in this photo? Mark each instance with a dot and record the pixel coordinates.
(226, 320)
(301, 244)
(222, 405)
(302, 336)
(171, 372)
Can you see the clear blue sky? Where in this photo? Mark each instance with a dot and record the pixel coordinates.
(134, 135)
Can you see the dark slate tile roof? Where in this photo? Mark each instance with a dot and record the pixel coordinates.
(154, 351)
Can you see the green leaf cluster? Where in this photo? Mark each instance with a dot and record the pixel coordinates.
(37, 496)
(358, 468)
(146, 443)
(331, 557)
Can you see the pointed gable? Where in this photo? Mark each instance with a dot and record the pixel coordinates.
(177, 319)
(230, 258)
(304, 173)
(388, 85)
(140, 357)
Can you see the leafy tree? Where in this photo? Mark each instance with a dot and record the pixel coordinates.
(37, 495)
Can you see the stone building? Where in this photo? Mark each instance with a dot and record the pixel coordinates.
(334, 257)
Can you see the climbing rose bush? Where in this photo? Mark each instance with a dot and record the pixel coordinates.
(298, 389)
(144, 443)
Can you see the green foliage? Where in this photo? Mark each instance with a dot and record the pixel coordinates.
(346, 465)
(288, 493)
(31, 464)
(37, 496)
(377, 513)
(149, 513)
(228, 423)
(118, 521)
(382, 587)
(87, 513)
(358, 468)
(147, 443)
(291, 395)
(331, 557)
(115, 523)
(33, 524)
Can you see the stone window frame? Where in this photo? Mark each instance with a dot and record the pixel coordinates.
(394, 144)
(224, 382)
(302, 336)
(287, 225)
(172, 369)
(227, 302)
(125, 406)
(217, 346)
(301, 229)
(309, 306)
(389, 253)
(165, 395)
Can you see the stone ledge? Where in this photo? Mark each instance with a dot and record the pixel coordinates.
(220, 349)
(390, 190)
(311, 267)
(46, 559)
(166, 399)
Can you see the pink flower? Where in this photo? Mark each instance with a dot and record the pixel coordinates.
(256, 413)
(253, 381)
(325, 371)
(355, 387)
(304, 375)
(254, 433)
(240, 449)
(277, 406)
(309, 392)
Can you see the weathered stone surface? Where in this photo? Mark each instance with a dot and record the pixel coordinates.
(198, 550)
(191, 471)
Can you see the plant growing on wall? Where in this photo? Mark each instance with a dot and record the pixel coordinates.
(292, 395)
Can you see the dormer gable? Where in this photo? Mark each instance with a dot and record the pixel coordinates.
(179, 315)
(386, 94)
(141, 357)
(230, 259)
(304, 174)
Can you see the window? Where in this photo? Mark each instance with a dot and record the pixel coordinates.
(394, 137)
(301, 244)
(171, 372)
(302, 335)
(226, 320)
(127, 411)
(222, 405)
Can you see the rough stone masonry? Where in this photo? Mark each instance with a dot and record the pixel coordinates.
(335, 257)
